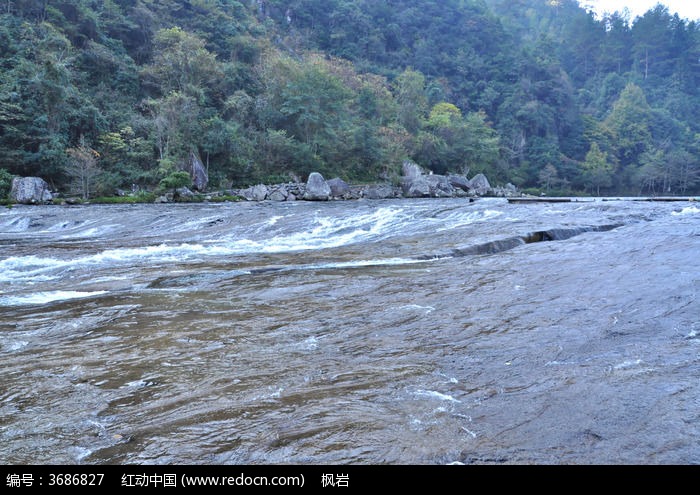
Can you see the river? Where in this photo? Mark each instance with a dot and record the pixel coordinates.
(433, 331)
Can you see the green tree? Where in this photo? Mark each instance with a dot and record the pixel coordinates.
(177, 128)
(411, 99)
(629, 123)
(481, 143)
(597, 170)
(444, 116)
(615, 54)
(175, 181)
(313, 106)
(5, 183)
(652, 38)
(126, 156)
(182, 63)
(454, 143)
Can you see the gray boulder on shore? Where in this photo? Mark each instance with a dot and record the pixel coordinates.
(459, 182)
(198, 173)
(415, 186)
(479, 185)
(440, 186)
(30, 190)
(255, 193)
(184, 192)
(379, 191)
(317, 189)
(411, 170)
(414, 183)
(279, 193)
(339, 188)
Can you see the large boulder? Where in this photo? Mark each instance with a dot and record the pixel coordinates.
(355, 192)
(459, 182)
(198, 173)
(317, 189)
(415, 187)
(339, 188)
(30, 191)
(278, 193)
(507, 191)
(184, 192)
(411, 170)
(440, 186)
(479, 185)
(414, 184)
(255, 193)
(379, 191)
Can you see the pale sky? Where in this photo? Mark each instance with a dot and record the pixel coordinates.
(687, 9)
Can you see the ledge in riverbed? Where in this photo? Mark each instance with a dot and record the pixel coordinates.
(545, 199)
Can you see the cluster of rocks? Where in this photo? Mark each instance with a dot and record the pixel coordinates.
(316, 188)
(417, 184)
(414, 183)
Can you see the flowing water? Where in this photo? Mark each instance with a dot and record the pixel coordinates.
(364, 332)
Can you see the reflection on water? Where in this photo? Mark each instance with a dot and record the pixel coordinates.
(365, 332)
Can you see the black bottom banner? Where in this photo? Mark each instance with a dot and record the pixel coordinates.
(300, 477)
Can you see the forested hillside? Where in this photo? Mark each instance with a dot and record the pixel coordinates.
(538, 93)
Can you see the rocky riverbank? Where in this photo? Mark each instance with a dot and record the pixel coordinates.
(413, 183)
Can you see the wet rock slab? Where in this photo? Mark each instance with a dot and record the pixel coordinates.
(583, 351)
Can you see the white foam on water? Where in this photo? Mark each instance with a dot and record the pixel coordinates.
(33, 268)
(273, 220)
(330, 232)
(18, 224)
(323, 232)
(138, 383)
(427, 309)
(437, 395)
(270, 222)
(39, 298)
(91, 232)
(15, 346)
(79, 229)
(627, 364)
(310, 344)
(162, 252)
(326, 232)
(58, 226)
(467, 430)
(80, 453)
(688, 210)
(274, 393)
(109, 279)
(367, 263)
(461, 219)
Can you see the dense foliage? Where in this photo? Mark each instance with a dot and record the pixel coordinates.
(98, 95)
